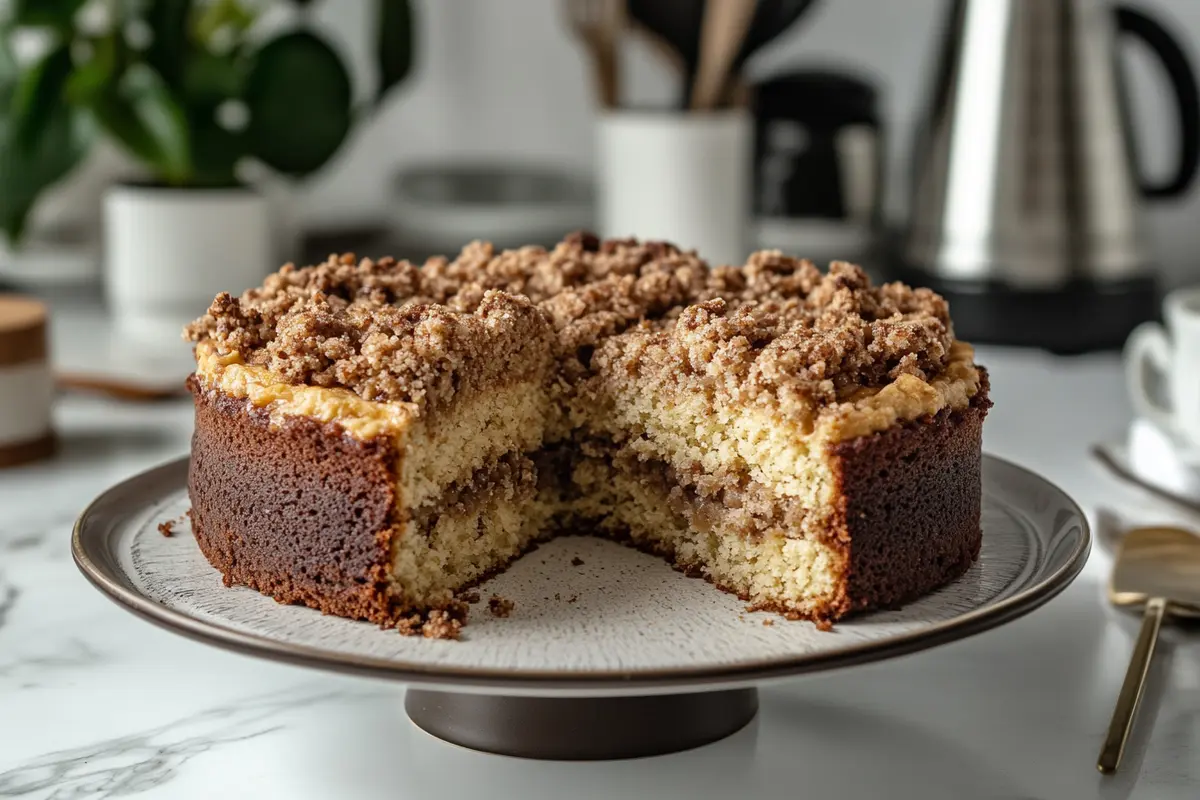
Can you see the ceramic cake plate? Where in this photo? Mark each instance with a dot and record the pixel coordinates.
(607, 653)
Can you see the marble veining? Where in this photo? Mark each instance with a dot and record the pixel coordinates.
(74, 653)
(96, 703)
(8, 599)
(135, 763)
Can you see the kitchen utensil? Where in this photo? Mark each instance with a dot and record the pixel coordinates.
(1170, 358)
(665, 50)
(596, 638)
(26, 388)
(818, 166)
(1159, 570)
(678, 23)
(116, 388)
(598, 24)
(722, 37)
(771, 18)
(439, 207)
(1026, 205)
(683, 178)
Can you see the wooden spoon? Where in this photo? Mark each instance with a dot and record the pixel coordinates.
(721, 39)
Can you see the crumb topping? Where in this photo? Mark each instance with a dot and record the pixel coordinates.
(389, 330)
(812, 339)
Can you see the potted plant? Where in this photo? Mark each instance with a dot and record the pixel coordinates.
(194, 92)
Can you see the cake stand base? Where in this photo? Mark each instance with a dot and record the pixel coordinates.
(581, 729)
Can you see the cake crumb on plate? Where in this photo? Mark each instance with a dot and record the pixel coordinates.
(441, 625)
(500, 606)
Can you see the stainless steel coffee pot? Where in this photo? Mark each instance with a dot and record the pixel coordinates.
(1026, 203)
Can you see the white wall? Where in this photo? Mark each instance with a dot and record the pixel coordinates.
(505, 78)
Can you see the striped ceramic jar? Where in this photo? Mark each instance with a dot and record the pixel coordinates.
(26, 382)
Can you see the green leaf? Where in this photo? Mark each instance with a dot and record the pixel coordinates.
(8, 70)
(394, 47)
(168, 50)
(39, 93)
(210, 79)
(87, 83)
(299, 97)
(219, 14)
(58, 14)
(27, 172)
(215, 151)
(141, 115)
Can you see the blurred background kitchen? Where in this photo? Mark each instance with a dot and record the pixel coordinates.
(410, 128)
(1034, 158)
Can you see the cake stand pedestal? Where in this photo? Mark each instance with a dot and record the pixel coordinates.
(581, 728)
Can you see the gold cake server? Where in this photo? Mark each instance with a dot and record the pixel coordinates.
(1157, 569)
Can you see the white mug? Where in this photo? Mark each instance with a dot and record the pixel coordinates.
(1172, 355)
(682, 178)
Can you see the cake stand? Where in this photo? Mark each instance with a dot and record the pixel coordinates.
(607, 653)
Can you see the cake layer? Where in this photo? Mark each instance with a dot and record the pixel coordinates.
(708, 503)
(433, 450)
(301, 510)
(906, 522)
(911, 497)
(700, 410)
(770, 570)
(474, 529)
(348, 548)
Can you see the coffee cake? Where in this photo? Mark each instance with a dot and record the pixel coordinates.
(373, 436)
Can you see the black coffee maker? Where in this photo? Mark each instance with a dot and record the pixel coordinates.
(819, 156)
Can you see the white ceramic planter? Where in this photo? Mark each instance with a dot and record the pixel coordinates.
(685, 178)
(168, 252)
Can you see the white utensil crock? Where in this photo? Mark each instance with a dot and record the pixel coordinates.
(169, 252)
(683, 178)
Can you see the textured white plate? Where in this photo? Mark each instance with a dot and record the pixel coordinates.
(620, 622)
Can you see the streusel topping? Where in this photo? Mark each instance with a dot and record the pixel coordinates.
(389, 330)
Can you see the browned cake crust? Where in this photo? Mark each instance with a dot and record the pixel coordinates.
(299, 512)
(911, 521)
(912, 498)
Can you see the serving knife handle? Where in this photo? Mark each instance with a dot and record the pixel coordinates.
(1132, 688)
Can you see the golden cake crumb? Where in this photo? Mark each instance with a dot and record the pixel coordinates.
(500, 606)
(441, 625)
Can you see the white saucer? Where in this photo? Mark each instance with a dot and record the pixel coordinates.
(1158, 460)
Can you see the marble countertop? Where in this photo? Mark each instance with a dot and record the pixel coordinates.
(95, 703)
